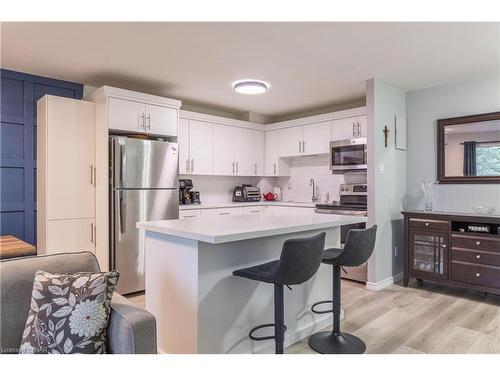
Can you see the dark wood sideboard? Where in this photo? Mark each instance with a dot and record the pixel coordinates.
(441, 247)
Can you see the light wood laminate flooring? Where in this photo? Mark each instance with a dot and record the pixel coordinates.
(423, 318)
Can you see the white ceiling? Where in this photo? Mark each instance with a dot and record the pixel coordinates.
(309, 65)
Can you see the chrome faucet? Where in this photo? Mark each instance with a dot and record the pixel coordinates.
(315, 197)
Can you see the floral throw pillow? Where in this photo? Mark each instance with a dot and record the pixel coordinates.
(69, 313)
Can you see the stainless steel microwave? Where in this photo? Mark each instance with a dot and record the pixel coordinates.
(348, 154)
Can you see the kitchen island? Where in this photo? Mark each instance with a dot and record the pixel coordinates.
(200, 307)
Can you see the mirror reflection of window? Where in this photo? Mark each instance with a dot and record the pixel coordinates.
(473, 149)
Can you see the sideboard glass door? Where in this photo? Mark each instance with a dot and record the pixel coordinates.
(429, 252)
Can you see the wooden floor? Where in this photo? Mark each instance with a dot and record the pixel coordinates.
(423, 318)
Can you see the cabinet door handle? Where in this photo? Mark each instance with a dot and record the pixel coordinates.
(255, 168)
(353, 126)
(187, 165)
(188, 216)
(478, 256)
(142, 121)
(478, 243)
(148, 119)
(92, 232)
(237, 164)
(255, 212)
(233, 167)
(300, 147)
(224, 213)
(359, 128)
(427, 224)
(303, 146)
(192, 165)
(275, 169)
(478, 274)
(444, 246)
(91, 174)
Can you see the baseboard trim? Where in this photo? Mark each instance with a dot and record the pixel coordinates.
(375, 287)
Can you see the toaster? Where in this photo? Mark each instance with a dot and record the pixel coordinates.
(246, 193)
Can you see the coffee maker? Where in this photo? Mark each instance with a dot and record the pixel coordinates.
(185, 185)
(186, 195)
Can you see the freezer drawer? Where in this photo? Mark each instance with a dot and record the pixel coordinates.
(127, 242)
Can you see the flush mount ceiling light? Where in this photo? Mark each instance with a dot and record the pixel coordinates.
(250, 87)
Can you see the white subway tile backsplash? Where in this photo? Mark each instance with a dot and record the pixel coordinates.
(219, 189)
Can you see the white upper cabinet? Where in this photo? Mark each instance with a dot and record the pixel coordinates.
(126, 115)
(290, 141)
(350, 127)
(200, 147)
(316, 138)
(224, 150)
(135, 112)
(161, 120)
(258, 151)
(309, 139)
(183, 139)
(273, 165)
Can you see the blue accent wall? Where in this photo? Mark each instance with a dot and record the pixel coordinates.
(18, 97)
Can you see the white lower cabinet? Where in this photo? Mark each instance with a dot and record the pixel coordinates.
(218, 212)
(250, 210)
(285, 210)
(69, 236)
(189, 214)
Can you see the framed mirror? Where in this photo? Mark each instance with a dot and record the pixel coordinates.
(468, 149)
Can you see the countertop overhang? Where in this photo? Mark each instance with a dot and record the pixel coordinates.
(243, 227)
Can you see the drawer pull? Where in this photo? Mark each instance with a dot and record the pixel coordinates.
(478, 256)
(478, 274)
(443, 246)
(224, 213)
(188, 216)
(478, 243)
(426, 224)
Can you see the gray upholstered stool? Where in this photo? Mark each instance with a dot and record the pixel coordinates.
(299, 261)
(358, 248)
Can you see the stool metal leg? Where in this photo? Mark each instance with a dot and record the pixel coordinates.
(336, 342)
(279, 318)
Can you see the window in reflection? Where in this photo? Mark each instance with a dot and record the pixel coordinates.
(472, 149)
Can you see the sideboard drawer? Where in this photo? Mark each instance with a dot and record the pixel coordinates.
(478, 242)
(475, 274)
(479, 257)
(430, 224)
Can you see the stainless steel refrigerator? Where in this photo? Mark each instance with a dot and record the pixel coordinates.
(144, 186)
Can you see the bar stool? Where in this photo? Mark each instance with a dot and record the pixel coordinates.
(300, 259)
(358, 248)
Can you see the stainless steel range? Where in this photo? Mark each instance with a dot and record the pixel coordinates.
(353, 201)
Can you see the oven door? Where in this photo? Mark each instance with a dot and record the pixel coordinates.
(348, 155)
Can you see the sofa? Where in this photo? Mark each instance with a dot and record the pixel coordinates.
(131, 329)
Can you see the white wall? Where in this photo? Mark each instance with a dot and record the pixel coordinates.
(426, 106)
(385, 191)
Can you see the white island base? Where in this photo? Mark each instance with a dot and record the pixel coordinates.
(200, 307)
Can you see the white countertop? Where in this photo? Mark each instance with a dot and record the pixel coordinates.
(243, 227)
(246, 204)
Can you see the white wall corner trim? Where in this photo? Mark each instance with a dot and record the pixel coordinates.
(375, 287)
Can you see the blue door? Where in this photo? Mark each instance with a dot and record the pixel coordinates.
(19, 94)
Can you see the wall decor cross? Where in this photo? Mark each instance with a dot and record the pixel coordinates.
(386, 134)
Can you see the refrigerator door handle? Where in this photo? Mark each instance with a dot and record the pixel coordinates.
(122, 164)
(121, 206)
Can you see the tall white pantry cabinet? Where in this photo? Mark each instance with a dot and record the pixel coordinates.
(66, 176)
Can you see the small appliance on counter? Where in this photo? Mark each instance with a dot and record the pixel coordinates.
(195, 197)
(246, 193)
(277, 192)
(186, 196)
(269, 196)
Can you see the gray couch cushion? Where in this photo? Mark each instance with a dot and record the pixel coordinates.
(16, 284)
